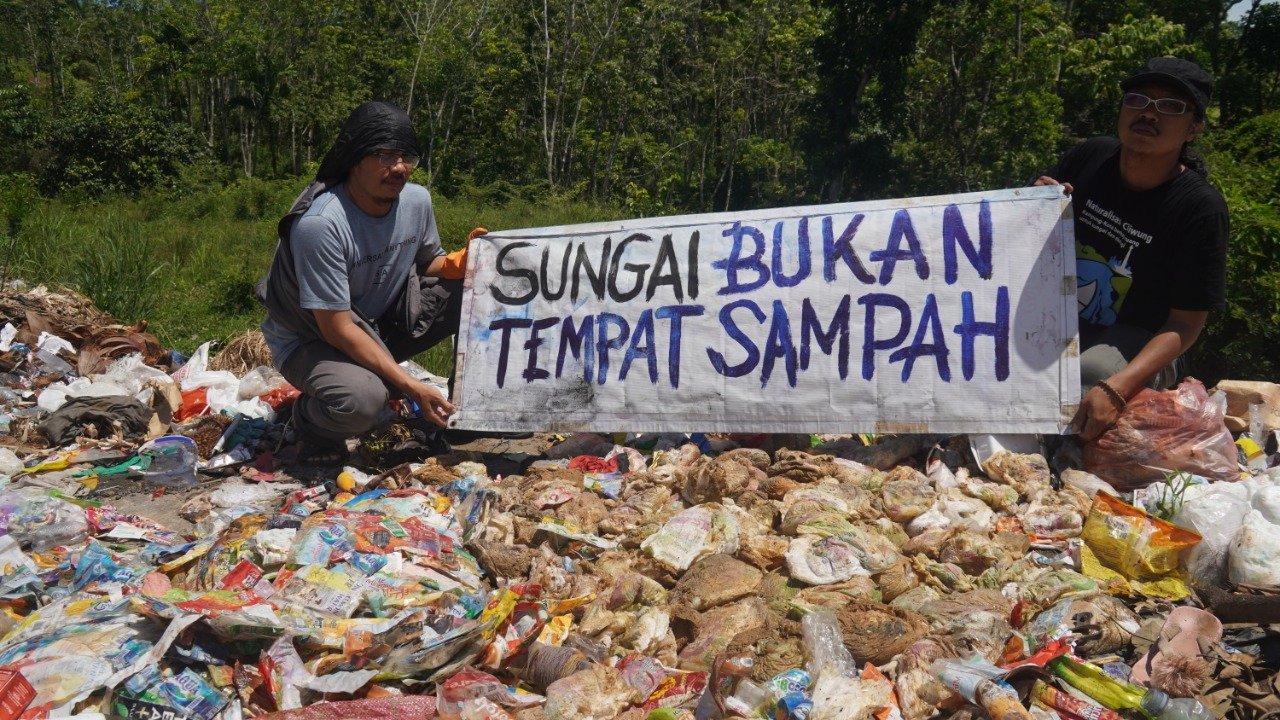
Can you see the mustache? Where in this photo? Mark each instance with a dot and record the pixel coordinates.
(1144, 124)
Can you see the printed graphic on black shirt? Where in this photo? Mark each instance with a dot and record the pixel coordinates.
(1103, 279)
(1101, 285)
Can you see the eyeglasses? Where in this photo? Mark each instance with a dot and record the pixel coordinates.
(389, 158)
(1164, 106)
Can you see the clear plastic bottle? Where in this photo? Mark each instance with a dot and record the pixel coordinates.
(172, 461)
(1159, 705)
(1000, 701)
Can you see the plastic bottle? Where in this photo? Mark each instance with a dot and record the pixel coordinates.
(749, 699)
(1097, 684)
(51, 363)
(1162, 707)
(1000, 701)
(964, 678)
(172, 461)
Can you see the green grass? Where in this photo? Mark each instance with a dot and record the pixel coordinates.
(187, 262)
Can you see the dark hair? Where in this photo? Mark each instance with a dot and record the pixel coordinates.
(1192, 160)
(1189, 157)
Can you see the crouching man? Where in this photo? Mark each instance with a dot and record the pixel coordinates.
(359, 283)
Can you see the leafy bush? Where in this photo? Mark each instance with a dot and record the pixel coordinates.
(1245, 165)
(20, 124)
(102, 145)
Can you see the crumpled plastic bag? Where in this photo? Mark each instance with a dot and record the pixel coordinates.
(717, 629)
(907, 495)
(260, 381)
(1255, 554)
(36, 519)
(596, 692)
(822, 561)
(837, 697)
(691, 534)
(10, 463)
(1266, 500)
(1164, 431)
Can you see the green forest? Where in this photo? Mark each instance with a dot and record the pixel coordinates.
(150, 145)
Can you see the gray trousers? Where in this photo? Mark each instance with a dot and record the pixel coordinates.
(1107, 351)
(341, 399)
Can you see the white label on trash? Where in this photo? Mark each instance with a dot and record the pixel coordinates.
(950, 314)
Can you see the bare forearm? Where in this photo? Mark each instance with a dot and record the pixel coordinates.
(1163, 348)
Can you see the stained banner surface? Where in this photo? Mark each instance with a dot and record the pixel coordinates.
(949, 314)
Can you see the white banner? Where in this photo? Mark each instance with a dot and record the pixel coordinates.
(950, 314)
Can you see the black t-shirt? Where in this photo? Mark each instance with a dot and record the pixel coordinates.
(1141, 253)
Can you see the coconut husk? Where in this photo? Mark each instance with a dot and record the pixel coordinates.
(715, 580)
(1025, 472)
(433, 474)
(775, 592)
(897, 580)
(777, 646)
(838, 595)
(876, 633)
(503, 561)
(99, 347)
(714, 480)
(206, 432)
(242, 353)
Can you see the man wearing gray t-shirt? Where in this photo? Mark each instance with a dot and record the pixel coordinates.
(359, 283)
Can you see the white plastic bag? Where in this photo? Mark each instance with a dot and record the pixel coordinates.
(212, 379)
(197, 363)
(823, 561)
(1266, 500)
(1255, 554)
(10, 464)
(1216, 512)
(132, 373)
(52, 397)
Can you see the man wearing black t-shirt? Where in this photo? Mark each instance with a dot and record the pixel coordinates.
(1151, 240)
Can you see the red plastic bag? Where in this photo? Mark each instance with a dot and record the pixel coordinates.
(593, 464)
(1164, 431)
(281, 396)
(194, 402)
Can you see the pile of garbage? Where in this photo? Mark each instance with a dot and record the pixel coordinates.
(632, 576)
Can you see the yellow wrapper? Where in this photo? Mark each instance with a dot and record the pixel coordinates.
(1133, 543)
(1171, 587)
(556, 630)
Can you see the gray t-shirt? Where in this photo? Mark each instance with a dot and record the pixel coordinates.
(347, 260)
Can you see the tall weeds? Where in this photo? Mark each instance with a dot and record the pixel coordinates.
(119, 271)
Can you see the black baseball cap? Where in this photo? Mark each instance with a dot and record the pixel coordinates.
(1175, 72)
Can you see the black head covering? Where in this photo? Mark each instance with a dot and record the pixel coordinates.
(369, 127)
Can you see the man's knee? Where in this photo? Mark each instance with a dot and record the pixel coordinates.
(359, 404)
(1099, 363)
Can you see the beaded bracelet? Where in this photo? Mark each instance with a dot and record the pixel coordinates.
(1116, 398)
